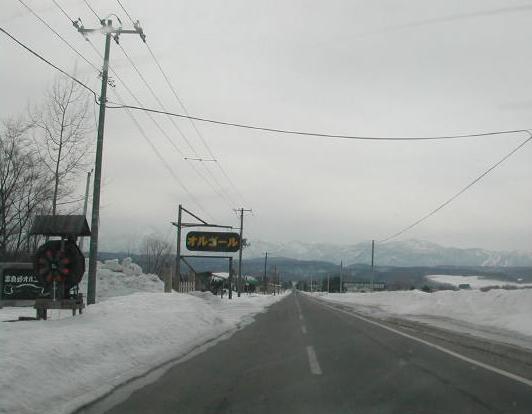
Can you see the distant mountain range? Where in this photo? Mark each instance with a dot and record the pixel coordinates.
(396, 253)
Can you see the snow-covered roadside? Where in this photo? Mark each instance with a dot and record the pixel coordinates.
(58, 365)
(501, 314)
(475, 282)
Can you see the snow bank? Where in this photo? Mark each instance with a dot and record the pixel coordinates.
(476, 282)
(58, 365)
(501, 310)
(114, 278)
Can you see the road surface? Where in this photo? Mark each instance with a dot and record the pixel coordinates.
(304, 356)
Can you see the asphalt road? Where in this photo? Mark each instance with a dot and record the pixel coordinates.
(304, 357)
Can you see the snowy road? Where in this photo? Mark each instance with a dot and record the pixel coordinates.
(309, 356)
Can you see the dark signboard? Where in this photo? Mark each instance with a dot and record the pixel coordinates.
(19, 282)
(203, 241)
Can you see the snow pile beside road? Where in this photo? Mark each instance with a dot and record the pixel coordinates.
(114, 278)
(57, 366)
(503, 310)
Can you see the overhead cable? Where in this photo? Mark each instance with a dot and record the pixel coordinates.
(459, 193)
(115, 105)
(325, 135)
(50, 63)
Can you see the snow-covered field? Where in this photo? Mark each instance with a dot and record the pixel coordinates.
(504, 314)
(58, 365)
(476, 282)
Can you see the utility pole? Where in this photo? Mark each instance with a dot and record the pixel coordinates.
(328, 283)
(82, 239)
(372, 264)
(341, 276)
(178, 247)
(264, 277)
(239, 280)
(109, 31)
(93, 248)
(230, 278)
(274, 279)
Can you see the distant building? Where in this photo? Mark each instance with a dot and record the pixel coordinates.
(363, 286)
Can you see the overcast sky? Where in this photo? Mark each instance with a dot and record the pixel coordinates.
(401, 68)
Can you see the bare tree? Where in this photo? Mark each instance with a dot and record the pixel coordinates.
(24, 188)
(156, 252)
(62, 125)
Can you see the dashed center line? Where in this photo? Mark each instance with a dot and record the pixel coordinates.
(304, 329)
(300, 317)
(313, 361)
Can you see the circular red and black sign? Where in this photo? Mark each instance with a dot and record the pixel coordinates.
(54, 262)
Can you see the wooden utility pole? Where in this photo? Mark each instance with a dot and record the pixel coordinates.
(93, 248)
(341, 276)
(239, 280)
(372, 265)
(274, 279)
(109, 31)
(264, 282)
(230, 278)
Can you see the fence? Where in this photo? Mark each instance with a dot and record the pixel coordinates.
(185, 287)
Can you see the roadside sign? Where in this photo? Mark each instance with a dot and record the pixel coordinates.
(18, 284)
(203, 241)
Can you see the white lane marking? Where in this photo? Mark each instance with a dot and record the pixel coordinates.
(313, 361)
(304, 329)
(487, 367)
(300, 317)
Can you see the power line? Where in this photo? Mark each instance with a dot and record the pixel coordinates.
(79, 82)
(192, 123)
(326, 135)
(125, 11)
(273, 130)
(92, 10)
(218, 164)
(157, 125)
(220, 192)
(145, 136)
(127, 107)
(463, 190)
(56, 33)
(63, 10)
(50, 63)
(163, 161)
(130, 92)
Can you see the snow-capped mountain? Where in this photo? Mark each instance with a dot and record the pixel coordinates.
(397, 253)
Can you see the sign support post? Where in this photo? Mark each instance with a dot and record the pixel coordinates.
(178, 248)
(372, 265)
